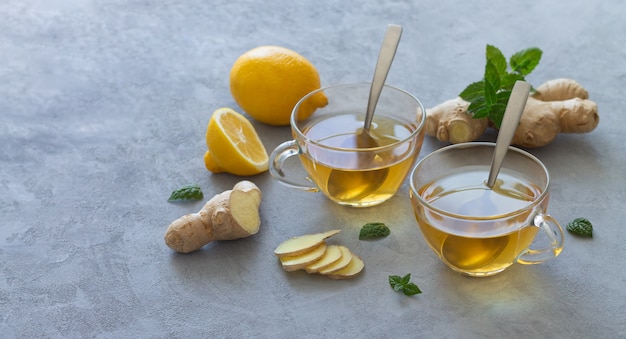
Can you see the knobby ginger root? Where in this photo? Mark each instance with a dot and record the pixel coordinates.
(560, 89)
(557, 106)
(449, 121)
(230, 215)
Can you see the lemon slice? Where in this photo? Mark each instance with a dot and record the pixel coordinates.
(234, 145)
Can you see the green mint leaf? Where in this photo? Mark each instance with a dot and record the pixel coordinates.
(374, 230)
(405, 280)
(473, 91)
(395, 282)
(492, 76)
(508, 81)
(497, 59)
(403, 284)
(411, 289)
(187, 192)
(526, 60)
(496, 113)
(503, 96)
(490, 92)
(581, 227)
(488, 97)
(478, 109)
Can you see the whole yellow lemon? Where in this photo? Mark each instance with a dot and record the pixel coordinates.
(268, 81)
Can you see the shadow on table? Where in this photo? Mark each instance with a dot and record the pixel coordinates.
(518, 288)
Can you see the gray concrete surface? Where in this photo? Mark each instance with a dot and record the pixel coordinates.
(103, 110)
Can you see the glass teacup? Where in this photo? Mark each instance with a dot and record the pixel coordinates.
(326, 143)
(479, 231)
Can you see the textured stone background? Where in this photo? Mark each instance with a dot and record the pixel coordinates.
(103, 109)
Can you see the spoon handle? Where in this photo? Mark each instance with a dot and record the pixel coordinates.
(385, 57)
(512, 115)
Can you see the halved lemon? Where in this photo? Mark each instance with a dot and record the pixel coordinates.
(234, 145)
(210, 164)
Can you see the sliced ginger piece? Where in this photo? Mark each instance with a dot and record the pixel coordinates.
(296, 262)
(331, 255)
(355, 267)
(302, 244)
(346, 257)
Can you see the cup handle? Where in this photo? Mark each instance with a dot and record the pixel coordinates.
(278, 157)
(553, 232)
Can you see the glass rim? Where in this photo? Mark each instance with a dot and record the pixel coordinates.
(545, 190)
(420, 123)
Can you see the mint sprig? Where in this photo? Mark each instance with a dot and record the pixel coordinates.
(581, 227)
(404, 285)
(488, 97)
(374, 230)
(187, 192)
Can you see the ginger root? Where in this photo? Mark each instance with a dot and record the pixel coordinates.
(557, 106)
(451, 122)
(230, 215)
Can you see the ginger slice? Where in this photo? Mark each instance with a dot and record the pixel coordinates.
(294, 263)
(302, 244)
(346, 257)
(355, 267)
(332, 254)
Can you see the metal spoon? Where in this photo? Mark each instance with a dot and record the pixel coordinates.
(512, 115)
(453, 246)
(345, 185)
(385, 58)
(481, 206)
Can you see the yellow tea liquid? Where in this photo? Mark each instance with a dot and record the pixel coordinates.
(359, 177)
(482, 241)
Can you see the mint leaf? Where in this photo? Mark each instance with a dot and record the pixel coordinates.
(187, 192)
(374, 230)
(403, 284)
(405, 280)
(489, 96)
(411, 289)
(525, 61)
(496, 58)
(490, 92)
(496, 113)
(508, 81)
(492, 76)
(581, 227)
(473, 92)
(396, 282)
(478, 108)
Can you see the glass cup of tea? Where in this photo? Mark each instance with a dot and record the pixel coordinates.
(327, 144)
(479, 231)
